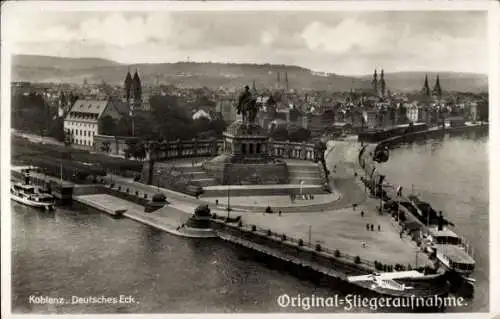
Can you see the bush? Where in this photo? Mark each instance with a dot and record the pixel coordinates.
(301, 242)
(336, 253)
(318, 247)
(283, 237)
(269, 233)
(254, 228)
(240, 224)
(357, 260)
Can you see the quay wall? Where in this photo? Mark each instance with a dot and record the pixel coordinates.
(305, 254)
(432, 133)
(368, 152)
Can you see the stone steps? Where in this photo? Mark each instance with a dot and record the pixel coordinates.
(306, 180)
(309, 174)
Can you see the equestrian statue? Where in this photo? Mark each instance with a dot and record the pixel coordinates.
(247, 106)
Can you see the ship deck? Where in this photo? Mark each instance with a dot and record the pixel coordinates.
(455, 253)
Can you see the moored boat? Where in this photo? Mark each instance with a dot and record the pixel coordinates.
(439, 239)
(31, 195)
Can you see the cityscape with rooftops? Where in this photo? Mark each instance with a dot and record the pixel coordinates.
(234, 185)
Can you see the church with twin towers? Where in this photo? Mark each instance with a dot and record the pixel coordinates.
(379, 86)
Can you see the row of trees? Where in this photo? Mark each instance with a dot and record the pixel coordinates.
(298, 134)
(32, 113)
(168, 120)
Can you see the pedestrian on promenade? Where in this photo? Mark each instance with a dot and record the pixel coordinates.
(362, 213)
(279, 213)
(367, 226)
(354, 206)
(378, 227)
(216, 202)
(371, 227)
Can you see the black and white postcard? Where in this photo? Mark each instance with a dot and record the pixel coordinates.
(249, 157)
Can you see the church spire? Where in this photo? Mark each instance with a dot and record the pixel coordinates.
(286, 80)
(382, 83)
(426, 90)
(437, 87)
(375, 82)
(128, 85)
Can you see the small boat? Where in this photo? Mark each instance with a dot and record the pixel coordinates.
(31, 195)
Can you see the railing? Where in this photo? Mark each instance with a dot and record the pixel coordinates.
(331, 253)
(205, 147)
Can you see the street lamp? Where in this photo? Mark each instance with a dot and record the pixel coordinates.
(228, 202)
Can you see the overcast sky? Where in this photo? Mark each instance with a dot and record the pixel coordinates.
(340, 42)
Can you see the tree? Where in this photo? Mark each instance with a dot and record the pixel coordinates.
(171, 122)
(299, 135)
(106, 147)
(483, 111)
(107, 125)
(124, 126)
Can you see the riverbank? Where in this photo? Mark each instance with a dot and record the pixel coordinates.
(432, 133)
(355, 246)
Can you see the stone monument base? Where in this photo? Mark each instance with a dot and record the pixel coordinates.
(227, 172)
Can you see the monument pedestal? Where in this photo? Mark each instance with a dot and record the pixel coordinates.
(246, 159)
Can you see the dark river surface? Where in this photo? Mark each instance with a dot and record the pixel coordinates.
(74, 253)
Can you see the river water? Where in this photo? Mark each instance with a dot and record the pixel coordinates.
(75, 253)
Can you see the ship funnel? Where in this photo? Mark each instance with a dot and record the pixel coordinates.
(440, 221)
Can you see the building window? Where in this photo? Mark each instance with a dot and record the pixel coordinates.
(257, 148)
(243, 148)
(250, 148)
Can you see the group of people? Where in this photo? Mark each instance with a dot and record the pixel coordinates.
(293, 197)
(371, 227)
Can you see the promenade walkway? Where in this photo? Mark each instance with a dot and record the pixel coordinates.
(335, 227)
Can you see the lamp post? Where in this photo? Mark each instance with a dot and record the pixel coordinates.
(228, 202)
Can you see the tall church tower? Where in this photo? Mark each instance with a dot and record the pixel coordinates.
(437, 87)
(425, 89)
(382, 84)
(137, 89)
(286, 81)
(128, 86)
(375, 82)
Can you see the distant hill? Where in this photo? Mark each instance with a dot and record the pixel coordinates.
(213, 75)
(40, 61)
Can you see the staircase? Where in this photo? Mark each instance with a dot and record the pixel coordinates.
(309, 173)
(198, 176)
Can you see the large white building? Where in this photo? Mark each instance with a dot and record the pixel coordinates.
(82, 120)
